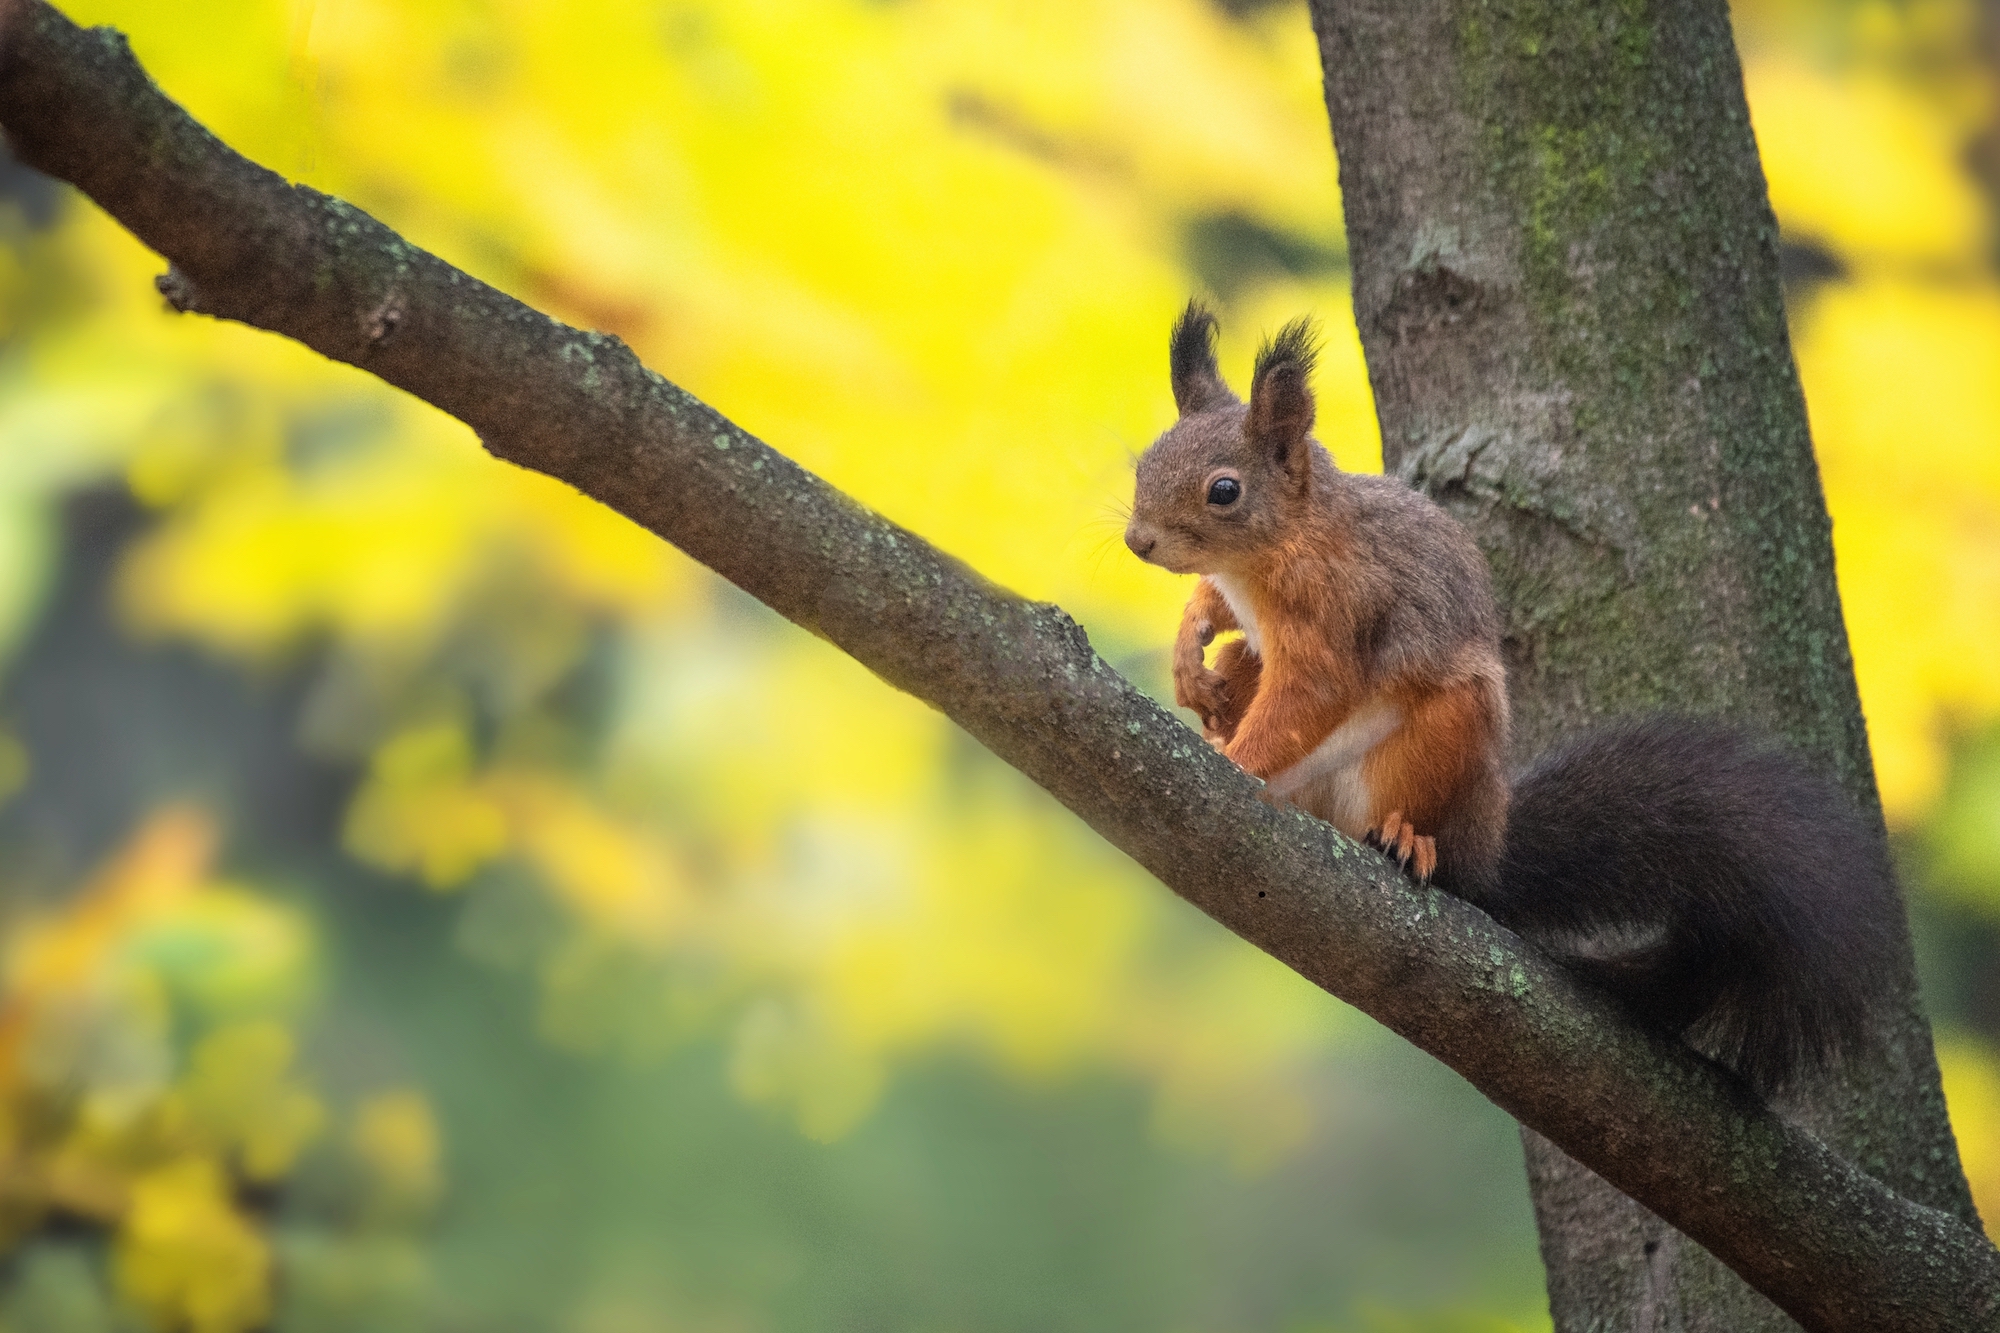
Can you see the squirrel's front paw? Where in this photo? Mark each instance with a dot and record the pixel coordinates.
(1204, 692)
(1401, 843)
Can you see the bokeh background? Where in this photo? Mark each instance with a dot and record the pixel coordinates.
(429, 903)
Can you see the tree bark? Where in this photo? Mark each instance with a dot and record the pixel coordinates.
(1566, 280)
(1833, 1245)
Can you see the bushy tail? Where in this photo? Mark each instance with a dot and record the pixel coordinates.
(1712, 883)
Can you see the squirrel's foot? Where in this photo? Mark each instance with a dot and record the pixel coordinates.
(1399, 840)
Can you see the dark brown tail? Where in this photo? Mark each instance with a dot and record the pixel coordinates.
(1712, 883)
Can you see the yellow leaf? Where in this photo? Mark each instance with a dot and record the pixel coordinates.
(1972, 1091)
(1864, 162)
(186, 1258)
(419, 811)
(240, 1096)
(396, 1137)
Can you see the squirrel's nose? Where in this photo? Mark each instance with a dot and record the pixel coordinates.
(1142, 544)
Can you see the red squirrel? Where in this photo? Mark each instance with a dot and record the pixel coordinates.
(1706, 879)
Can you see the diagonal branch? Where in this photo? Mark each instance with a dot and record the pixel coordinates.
(1828, 1243)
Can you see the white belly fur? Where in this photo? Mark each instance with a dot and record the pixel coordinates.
(1238, 597)
(1329, 782)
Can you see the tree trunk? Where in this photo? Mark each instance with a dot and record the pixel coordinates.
(1566, 281)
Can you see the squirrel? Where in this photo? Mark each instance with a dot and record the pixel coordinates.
(1704, 878)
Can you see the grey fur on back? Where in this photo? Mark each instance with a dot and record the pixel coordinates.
(1441, 590)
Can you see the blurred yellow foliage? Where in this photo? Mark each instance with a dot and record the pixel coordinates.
(1906, 413)
(1858, 159)
(794, 1056)
(1863, 133)
(377, 545)
(932, 259)
(1972, 1091)
(239, 1096)
(98, 1119)
(417, 812)
(968, 339)
(395, 1136)
(187, 1257)
(721, 200)
(159, 871)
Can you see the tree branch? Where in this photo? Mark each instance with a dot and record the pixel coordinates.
(1829, 1244)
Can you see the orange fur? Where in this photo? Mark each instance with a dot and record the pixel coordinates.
(1312, 679)
(1436, 773)
(1421, 769)
(1369, 687)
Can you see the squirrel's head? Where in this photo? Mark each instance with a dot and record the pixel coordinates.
(1222, 486)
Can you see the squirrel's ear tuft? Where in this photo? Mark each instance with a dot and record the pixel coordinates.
(1198, 385)
(1281, 397)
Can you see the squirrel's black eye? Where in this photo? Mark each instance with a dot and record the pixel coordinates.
(1224, 491)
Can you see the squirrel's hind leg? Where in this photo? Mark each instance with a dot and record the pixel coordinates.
(1436, 778)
